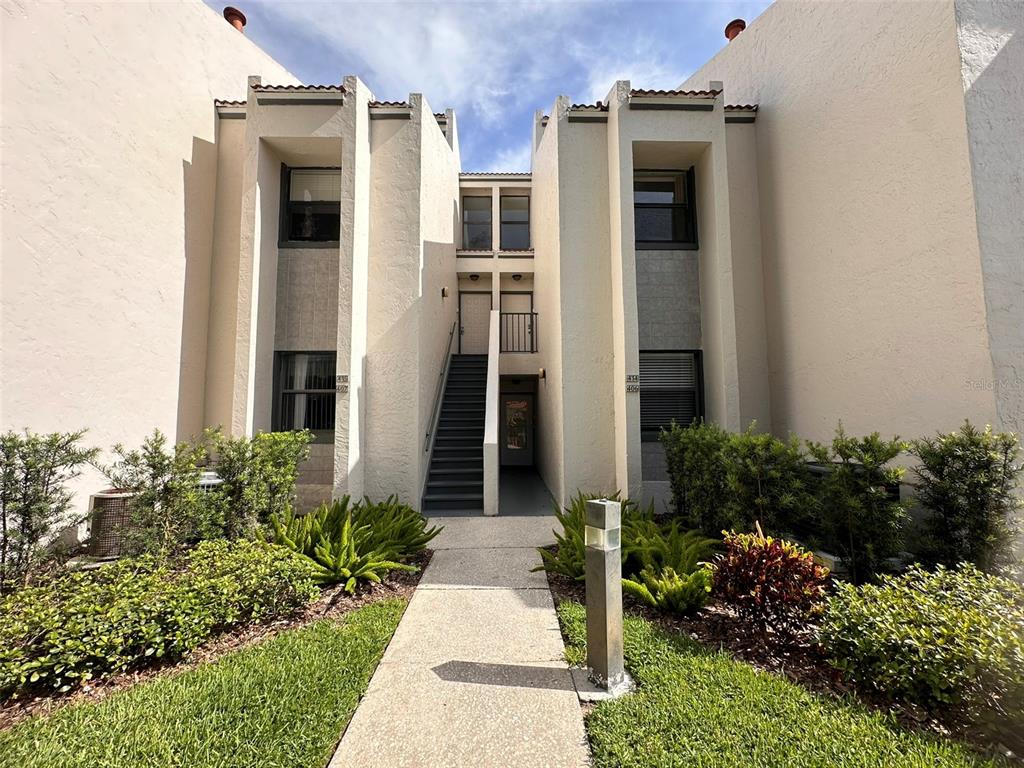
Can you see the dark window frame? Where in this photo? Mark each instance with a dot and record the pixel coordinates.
(320, 436)
(490, 223)
(689, 208)
(283, 241)
(502, 223)
(651, 436)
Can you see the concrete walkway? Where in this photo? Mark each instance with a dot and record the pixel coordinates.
(474, 675)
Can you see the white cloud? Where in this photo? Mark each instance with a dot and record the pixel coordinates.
(514, 158)
(464, 55)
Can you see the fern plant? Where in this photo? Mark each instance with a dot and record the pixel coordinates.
(352, 543)
(669, 591)
(656, 547)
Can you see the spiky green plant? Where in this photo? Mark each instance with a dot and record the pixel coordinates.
(396, 529)
(352, 543)
(569, 558)
(669, 591)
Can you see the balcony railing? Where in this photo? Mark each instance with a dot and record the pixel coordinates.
(518, 331)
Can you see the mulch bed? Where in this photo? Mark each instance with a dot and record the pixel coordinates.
(333, 603)
(799, 659)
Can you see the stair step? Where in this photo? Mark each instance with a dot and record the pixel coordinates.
(455, 486)
(460, 501)
(459, 442)
(456, 475)
(461, 430)
(456, 462)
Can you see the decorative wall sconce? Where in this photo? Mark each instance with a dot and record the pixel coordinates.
(474, 277)
(517, 277)
(444, 292)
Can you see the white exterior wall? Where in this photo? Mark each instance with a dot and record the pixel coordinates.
(873, 281)
(102, 164)
(990, 34)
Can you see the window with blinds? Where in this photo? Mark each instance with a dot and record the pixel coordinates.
(311, 210)
(671, 390)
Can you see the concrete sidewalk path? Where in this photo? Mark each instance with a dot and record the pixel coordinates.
(474, 675)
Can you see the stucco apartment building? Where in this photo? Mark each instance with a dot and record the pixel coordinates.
(824, 222)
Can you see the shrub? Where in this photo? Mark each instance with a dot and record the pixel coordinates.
(259, 475)
(671, 573)
(89, 624)
(353, 543)
(770, 583)
(967, 480)
(569, 558)
(168, 511)
(860, 520)
(33, 498)
(936, 639)
(766, 480)
(697, 474)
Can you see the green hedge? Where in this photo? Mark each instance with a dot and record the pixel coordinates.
(936, 639)
(90, 624)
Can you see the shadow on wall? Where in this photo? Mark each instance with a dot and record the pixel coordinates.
(994, 102)
(199, 181)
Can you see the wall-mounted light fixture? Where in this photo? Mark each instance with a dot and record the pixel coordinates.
(444, 292)
(517, 277)
(541, 374)
(474, 277)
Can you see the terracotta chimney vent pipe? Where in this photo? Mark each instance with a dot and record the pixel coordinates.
(732, 29)
(235, 18)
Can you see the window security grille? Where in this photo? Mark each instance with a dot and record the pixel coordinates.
(306, 393)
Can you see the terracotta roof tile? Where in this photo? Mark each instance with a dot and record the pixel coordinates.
(685, 94)
(441, 115)
(742, 107)
(599, 106)
(403, 104)
(299, 88)
(227, 103)
(495, 173)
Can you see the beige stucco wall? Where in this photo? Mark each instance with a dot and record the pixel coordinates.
(547, 302)
(990, 34)
(439, 207)
(588, 379)
(748, 277)
(104, 160)
(872, 276)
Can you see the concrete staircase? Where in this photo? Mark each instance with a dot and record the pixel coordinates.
(456, 475)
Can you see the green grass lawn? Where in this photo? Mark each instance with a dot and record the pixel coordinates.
(701, 709)
(281, 703)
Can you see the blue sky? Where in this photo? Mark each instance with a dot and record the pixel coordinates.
(496, 62)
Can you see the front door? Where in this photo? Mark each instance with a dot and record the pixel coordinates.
(517, 429)
(474, 321)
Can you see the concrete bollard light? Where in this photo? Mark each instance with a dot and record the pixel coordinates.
(603, 540)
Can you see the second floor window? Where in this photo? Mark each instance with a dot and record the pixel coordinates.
(311, 211)
(515, 222)
(306, 393)
(664, 215)
(476, 223)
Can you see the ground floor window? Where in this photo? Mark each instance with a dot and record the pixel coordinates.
(671, 390)
(305, 393)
